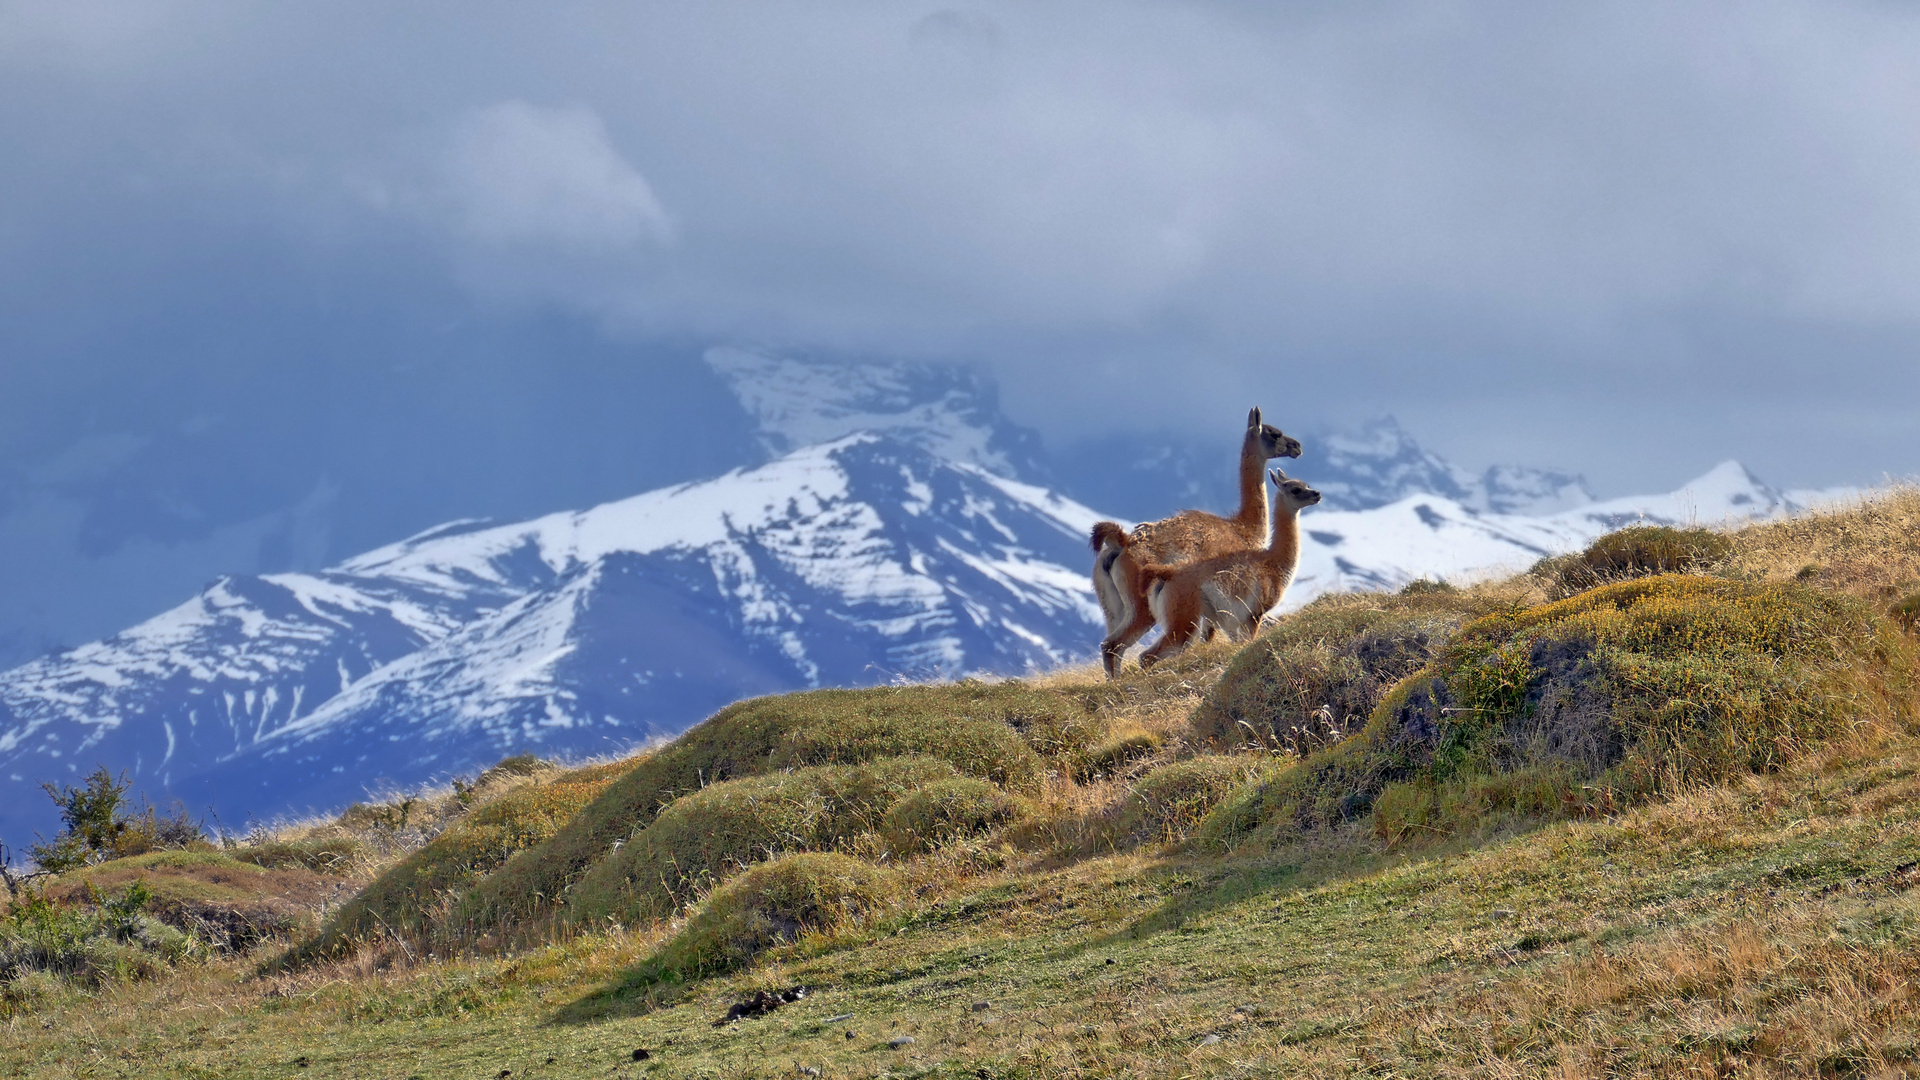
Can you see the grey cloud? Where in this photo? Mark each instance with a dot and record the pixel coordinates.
(1455, 211)
(520, 174)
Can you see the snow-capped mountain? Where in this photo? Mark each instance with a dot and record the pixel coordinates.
(895, 533)
(949, 410)
(1380, 464)
(858, 561)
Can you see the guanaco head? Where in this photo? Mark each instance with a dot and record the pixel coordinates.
(1295, 495)
(1274, 443)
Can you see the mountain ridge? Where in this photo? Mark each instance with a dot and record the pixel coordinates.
(858, 561)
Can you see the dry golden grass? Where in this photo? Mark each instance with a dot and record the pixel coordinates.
(1869, 549)
(1159, 701)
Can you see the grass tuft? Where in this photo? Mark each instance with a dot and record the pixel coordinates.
(707, 836)
(946, 811)
(1318, 675)
(775, 903)
(1633, 552)
(321, 854)
(409, 900)
(993, 731)
(1113, 755)
(1166, 804)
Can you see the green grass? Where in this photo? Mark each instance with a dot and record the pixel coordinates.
(1760, 926)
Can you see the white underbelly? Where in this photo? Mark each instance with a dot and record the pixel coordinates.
(1235, 611)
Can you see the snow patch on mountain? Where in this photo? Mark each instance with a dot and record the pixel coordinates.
(1371, 466)
(1438, 538)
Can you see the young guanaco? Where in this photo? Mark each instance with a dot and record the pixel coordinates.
(1229, 592)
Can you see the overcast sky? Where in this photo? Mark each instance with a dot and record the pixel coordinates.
(1628, 239)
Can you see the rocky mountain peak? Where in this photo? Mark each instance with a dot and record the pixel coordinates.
(950, 410)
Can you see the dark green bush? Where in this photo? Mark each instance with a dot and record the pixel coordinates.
(100, 822)
(1318, 675)
(1637, 687)
(1633, 552)
(112, 940)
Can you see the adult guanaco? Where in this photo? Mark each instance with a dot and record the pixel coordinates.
(1182, 538)
(1229, 592)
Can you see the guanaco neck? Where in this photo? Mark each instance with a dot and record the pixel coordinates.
(1283, 553)
(1251, 519)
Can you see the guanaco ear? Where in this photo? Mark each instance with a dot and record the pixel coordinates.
(1278, 476)
(1253, 418)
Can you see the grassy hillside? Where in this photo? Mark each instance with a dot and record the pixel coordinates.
(1643, 812)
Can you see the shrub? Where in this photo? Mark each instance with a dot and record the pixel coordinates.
(708, 835)
(945, 811)
(1636, 551)
(1166, 804)
(99, 822)
(92, 816)
(224, 903)
(982, 730)
(90, 945)
(1640, 686)
(775, 903)
(1318, 675)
